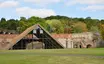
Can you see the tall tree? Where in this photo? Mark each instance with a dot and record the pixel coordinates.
(12, 24)
(79, 27)
(3, 24)
(56, 26)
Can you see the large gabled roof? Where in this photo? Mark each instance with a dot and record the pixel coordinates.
(23, 34)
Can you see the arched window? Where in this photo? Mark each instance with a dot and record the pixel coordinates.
(89, 46)
(80, 46)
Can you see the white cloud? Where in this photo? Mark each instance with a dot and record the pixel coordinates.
(88, 2)
(27, 12)
(93, 8)
(92, 5)
(42, 2)
(7, 4)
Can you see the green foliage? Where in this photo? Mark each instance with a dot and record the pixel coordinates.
(94, 29)
(101, 28)
(55, 24)
(3, 23)
(3, 20)
(77, 30)
(91, 22)
(23, 19)
(79, 27)
(102, 33)
(12, 24)
(58, 17)
(102, 21)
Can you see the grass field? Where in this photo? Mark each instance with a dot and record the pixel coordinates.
(53, 56)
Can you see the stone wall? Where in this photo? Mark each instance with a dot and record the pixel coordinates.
(67, 43)
(77, 40)
(5, 39)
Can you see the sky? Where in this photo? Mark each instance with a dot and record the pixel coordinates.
(42, 8)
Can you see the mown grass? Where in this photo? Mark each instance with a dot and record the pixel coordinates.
(52, 56)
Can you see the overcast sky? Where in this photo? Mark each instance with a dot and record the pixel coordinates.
(43, 8)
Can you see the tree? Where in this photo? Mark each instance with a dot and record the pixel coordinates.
(55, 25)
(79, 27)
(94, 29)
(58, 17)
(3, 24)
(101, 27)
(35, 20)
(23, 19)
(12, 24)
(25, 23)
(102, 34)
(91, 22)
(102, 21)
(22, 26)
(3, 20)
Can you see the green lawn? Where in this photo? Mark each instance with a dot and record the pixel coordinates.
(53, 56)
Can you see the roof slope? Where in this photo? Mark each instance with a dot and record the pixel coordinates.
(23, 34)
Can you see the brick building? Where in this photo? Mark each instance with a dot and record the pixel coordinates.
(78, 40)
(50, 41)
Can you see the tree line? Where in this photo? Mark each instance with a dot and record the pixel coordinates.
(55, 24)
